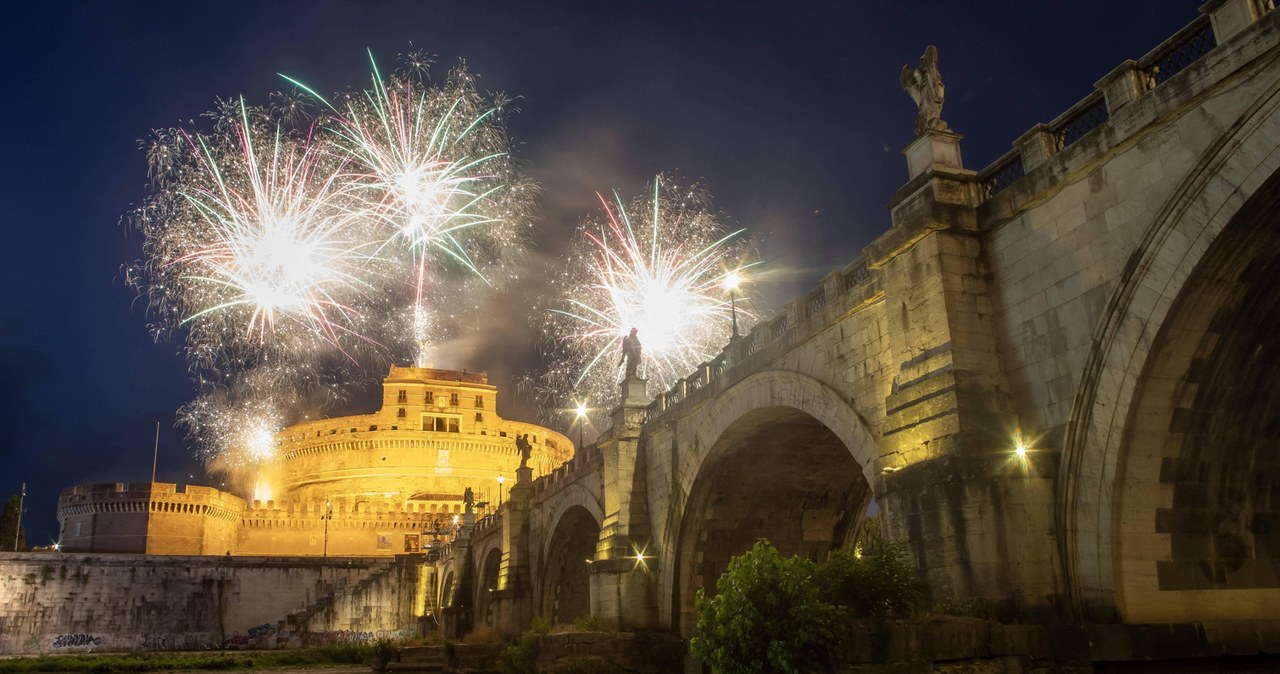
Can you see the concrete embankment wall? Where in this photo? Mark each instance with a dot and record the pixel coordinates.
(75, 602)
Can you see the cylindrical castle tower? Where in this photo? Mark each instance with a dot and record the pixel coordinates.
(369, 484)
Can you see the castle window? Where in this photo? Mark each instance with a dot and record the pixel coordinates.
(453, 399)
(440, 424)
(400, 413)
(502, 434)
(479, 402)
(431, 397)
(403, 397)
(479, 417)
(453, 425)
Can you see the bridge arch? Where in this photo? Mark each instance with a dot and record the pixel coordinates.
(489, 566)
(1141, 391)
(566, 576)
(778, 455)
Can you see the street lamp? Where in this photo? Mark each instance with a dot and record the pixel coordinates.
(731, 282)
(17, 531)
(501, 479)
(581, 419)
(328, 515)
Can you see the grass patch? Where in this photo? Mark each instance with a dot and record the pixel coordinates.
(211, 661)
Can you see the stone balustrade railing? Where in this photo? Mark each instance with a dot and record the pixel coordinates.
(840, 292)
(1219, 20)
(583, 460)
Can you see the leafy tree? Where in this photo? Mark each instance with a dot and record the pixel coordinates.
(768, 615)
(876, 579)
(10, 522)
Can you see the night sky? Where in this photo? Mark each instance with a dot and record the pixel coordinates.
(789, 112)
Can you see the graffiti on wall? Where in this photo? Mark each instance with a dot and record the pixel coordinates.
(76, 640)
(175, 642)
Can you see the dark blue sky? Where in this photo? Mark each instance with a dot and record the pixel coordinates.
(789, 111)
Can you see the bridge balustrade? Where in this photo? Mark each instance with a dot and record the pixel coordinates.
(1169, 58)
(1174, 55)
(1002, 173)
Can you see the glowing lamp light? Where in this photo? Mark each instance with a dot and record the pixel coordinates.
(732, 280)
(1021, 450)
(581, 410)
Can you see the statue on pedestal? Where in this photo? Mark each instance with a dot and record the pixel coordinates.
(924, 85)
(631, 353)
(468, 500)
(526, 449)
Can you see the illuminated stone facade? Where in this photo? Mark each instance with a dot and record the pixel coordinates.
(360, 485)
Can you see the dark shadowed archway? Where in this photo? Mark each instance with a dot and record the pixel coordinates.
(484, 615)
(566, 587)
(1198, 493)
(775, 473)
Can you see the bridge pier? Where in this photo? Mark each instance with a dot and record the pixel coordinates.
(978, 514)
(513, 598)
(622, 572)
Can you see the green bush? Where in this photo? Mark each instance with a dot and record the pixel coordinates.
(786, 614)
(767, 616)
(876, 580)
(521, 658)
(590, 623)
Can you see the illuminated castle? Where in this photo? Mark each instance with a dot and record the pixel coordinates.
(350, 486)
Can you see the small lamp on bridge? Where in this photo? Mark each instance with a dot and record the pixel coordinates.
(580, 416)
(731, 282)
(501, 479)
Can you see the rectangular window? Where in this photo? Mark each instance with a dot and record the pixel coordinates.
(431, 397)
(479, 402)
(453, 425)
(453, 399)
(403, 397)
(440, 425)
(399, 414)
(479, 417)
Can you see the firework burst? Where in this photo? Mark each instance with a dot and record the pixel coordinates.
(659, 265)
(293, 250)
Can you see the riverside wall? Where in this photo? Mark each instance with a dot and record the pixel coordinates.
(56, 603)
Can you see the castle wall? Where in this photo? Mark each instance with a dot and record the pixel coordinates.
(54, 603)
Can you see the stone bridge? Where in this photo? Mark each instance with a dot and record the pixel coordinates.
(1102, 298)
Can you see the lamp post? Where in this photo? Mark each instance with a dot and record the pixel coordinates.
(501, 479)
(731, 282)
(328, 515)
(18, 529)
(581, 419)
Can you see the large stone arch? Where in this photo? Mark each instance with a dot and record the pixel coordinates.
(778, 455)
(488, 567)
(573, 496)
(566, 577)
(1228, 174)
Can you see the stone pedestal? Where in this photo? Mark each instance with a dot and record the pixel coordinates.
(932, 151)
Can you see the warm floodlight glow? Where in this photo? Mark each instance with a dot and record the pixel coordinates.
(1020, 450)
(581, 410)
(732, 280)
